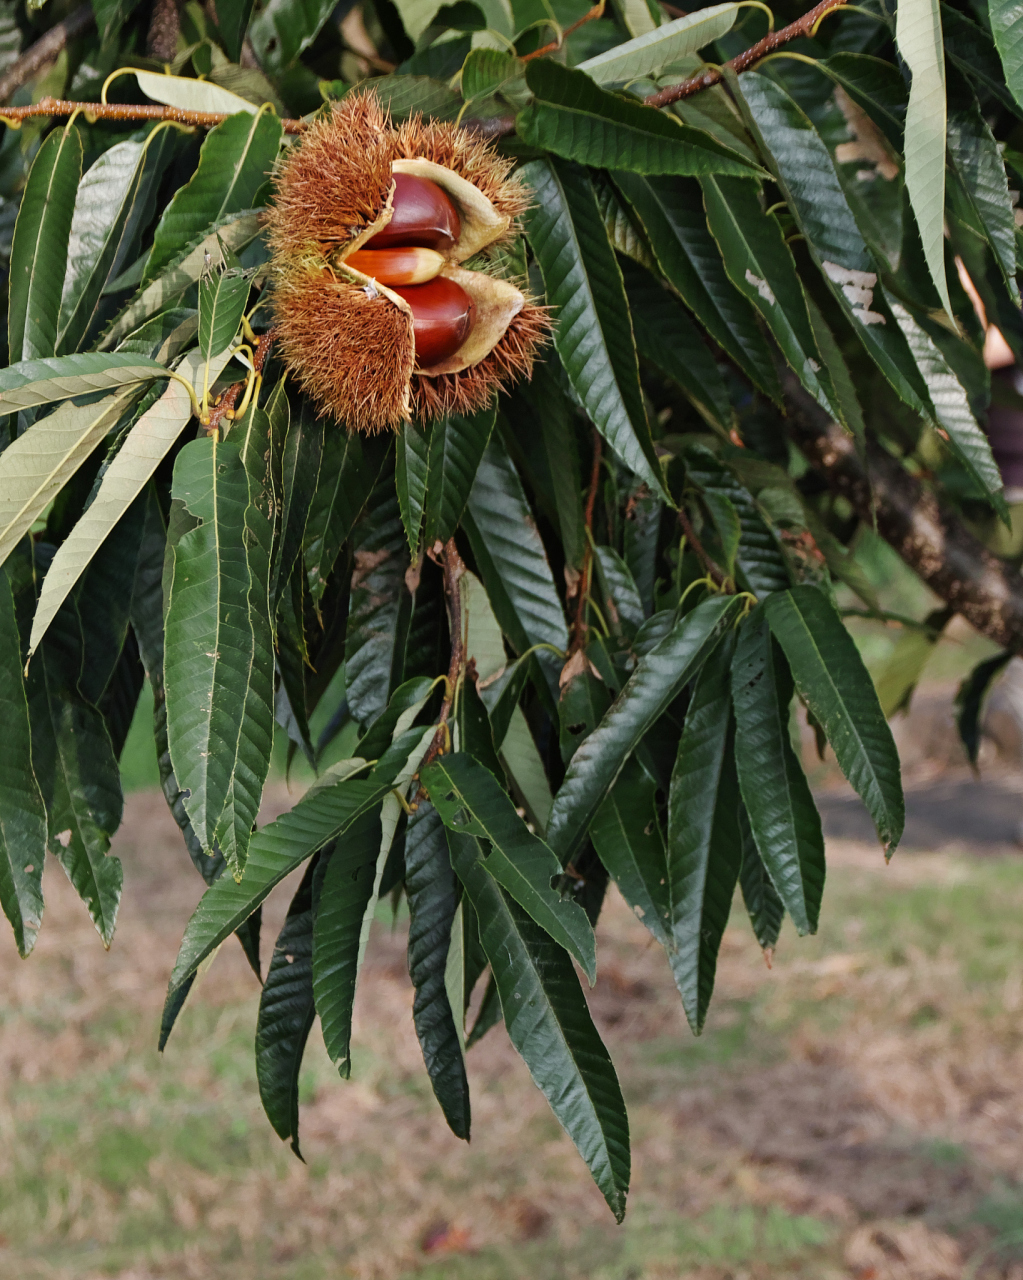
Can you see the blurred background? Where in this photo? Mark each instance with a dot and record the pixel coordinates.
(855, 1111)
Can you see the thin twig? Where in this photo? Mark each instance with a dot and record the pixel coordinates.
(229, 399)
(580, 625)
(453, 567)
(493, 128)
(803, 26)
(125, 111)
(713, 570)
(596, 12)
(45, 50)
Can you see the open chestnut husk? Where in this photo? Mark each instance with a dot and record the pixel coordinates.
(387, 302)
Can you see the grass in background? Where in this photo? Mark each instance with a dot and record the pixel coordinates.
(872, 1074)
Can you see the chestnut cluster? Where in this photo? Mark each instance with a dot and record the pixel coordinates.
(388, 302)
(405, 256)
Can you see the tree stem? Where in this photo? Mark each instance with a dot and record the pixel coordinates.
(932, 540)
(580, 626)
(125, 111)
(713, 570)
(45, 50)
(803, 26)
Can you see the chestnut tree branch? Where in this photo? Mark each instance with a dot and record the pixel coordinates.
(453, 567)
(803, 26)
(713, 570)
(931, 539)
(596, 12)
(45, 50)
(493, 128)
(580, 625)
(125, 111)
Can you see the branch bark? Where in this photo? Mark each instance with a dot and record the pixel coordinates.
(126, 111)
(45, 50)
(932, 540)
(491, 129)
(803, 26)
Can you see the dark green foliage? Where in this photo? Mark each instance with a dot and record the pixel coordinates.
(545, 646)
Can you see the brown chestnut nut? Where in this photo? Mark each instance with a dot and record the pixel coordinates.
(442, 316)
(424, 214)
(407, 264)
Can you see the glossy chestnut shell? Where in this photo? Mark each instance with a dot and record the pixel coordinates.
(442, 316)
(424, 214)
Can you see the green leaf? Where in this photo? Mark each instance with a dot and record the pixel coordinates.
(348, 471)
(219, 646)
(898, 675)
(346, 910)
(232, 19)
(979, 174)
(22, 813)
(511, 557)
(650, 54)
(668, 338)
(34, 382)
(704, 845)
(550, 1026)
(833, 682)
(548, 417)
(576, 119)
(593, 335)
(432, 891)
(73, 759)
(406, 96)
(621, 594)
(489, 1015)
(765, 909)
(918, 37)
(1007, 26)
(759, 556)
(805, 172)
(111, 15)
(416, 15)
(36, 466)
(286, 1014)
(303, 433)
(189, 94)
(782, 814)
(346, 894)
(147, 443)
(222, 298)
(456, 448)
(628, 840)
(952, 412)
(659, 677)
(759, 263)
(323, 814)
(621, 228)
(470, 801)
(973, 51)
(411, 467)
(485, 71)
(380, 552)
(284, 28)
(110, 195)
(970, 699)
(235, 160)
(847, 404)
(231, 235)
(672, 216)
(40, 248)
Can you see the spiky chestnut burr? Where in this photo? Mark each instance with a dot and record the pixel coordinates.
(349, 336)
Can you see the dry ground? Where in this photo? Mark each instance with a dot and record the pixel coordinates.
(857, 1111)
